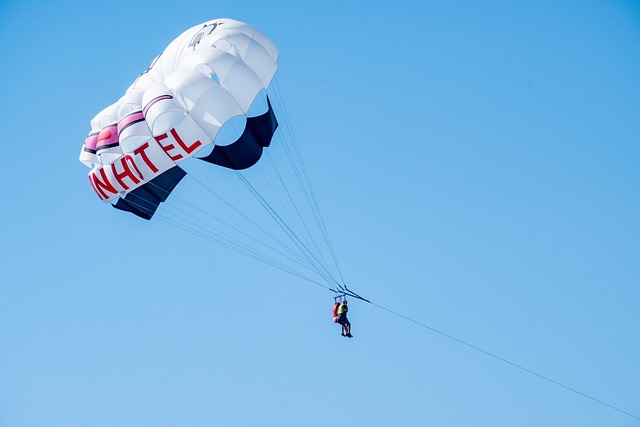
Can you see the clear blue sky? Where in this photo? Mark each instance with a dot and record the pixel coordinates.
(478, 168)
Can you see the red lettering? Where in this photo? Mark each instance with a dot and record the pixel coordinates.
(98, 192)
(141, 151)
(98, 185)
(126, 171)
(129, 158)
(188, 149)
(168, 148)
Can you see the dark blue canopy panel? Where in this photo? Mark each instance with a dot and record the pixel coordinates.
(144, 200)
(247, 150)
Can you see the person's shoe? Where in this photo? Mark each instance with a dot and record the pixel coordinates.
(349, 335)
(343, 334)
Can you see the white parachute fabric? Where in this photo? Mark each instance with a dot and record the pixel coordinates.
(206, 76)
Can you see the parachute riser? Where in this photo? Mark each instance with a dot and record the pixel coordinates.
(343, 292)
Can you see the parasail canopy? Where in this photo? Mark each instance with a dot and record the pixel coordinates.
(211, 79)
(211, 73)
